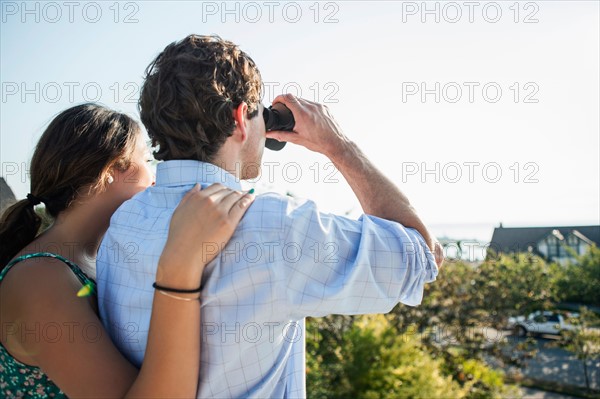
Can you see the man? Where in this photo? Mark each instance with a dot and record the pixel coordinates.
(200, 103)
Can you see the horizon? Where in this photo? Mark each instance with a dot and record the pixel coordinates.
(469, 227)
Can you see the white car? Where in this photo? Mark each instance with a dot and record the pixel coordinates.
(540, 322)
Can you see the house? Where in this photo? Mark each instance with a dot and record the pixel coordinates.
(550, 243)
(7, 197)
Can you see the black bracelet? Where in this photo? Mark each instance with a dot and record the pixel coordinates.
(167, 289)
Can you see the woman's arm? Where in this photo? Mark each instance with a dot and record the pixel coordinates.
(47, 325)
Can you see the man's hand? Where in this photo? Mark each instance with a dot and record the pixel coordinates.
(315, 127)
(316, 130)
(438, 253)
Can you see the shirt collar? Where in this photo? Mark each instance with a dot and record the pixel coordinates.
(184, 171)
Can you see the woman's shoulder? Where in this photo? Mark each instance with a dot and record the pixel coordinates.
(38, 288)
(38, 269)
(32, 298)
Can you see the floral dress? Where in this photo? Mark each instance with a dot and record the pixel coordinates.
(19, 380)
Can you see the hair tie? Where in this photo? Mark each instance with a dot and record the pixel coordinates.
(33, 199)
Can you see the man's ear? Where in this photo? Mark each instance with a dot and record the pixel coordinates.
(240, 117)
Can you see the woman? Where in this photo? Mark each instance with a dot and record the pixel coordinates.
(88, 162)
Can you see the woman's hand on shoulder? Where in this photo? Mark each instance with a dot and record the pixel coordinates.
(203, 223)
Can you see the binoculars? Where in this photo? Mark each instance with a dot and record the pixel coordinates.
(277, 117)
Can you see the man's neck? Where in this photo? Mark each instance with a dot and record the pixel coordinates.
(228, 160)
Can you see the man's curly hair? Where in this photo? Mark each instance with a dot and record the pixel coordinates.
(189, 93)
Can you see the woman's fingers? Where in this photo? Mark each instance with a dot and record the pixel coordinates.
(236, 200)
(231, 198)
(207, 215)
(218, 197)
(231, 202)
(192, 191)
(240, 207)
(213, 188)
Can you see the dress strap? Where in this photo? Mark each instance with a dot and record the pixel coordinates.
(85, 280)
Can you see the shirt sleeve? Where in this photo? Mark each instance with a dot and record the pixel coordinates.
(337, 265)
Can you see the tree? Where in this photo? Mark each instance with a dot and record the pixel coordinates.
(579, 281)
(370, 358)
(374, 361)
(468, 304)
(584, 340)
(325, 339)
(513, 285)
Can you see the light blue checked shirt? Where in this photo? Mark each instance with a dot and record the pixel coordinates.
(285, 261)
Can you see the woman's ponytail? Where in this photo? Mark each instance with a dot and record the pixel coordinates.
(18, 227)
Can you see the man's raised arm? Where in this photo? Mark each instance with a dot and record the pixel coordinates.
(316, 130)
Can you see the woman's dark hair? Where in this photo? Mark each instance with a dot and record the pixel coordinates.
(189, 93)
(72, 157)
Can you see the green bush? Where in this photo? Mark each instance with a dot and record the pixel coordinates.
(375, 361)
(580, 281)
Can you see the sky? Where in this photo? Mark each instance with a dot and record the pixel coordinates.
(481, 112)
